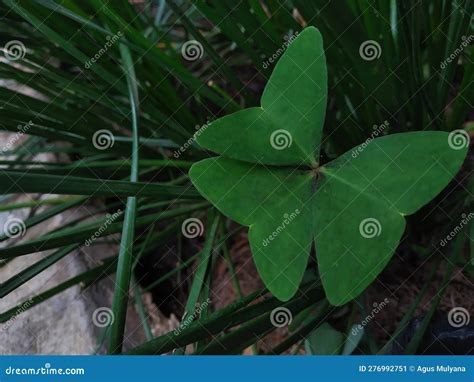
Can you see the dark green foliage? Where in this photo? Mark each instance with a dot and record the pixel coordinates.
(92, 66)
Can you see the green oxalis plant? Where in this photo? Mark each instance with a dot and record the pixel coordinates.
(268, 177)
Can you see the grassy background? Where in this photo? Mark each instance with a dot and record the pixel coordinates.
(151, 100)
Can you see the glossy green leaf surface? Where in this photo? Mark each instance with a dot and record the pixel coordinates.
(279, 216)
(287, 128)
(352, 208)
(360, 204)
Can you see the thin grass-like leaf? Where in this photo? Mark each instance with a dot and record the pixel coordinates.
(125, 260)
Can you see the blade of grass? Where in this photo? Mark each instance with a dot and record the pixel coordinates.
(200, 274)
(27, 274)
(415, 342)
(189, 261)
(79, 234)
(45, 215)
(303, 332)
(85, 279)
(65, 44)
(20, 182)
(230, 316)
(137, 292)
(209, 49)
(37, 203)
(411, 310)
(124, 263)
(231, 268)
(251, 331)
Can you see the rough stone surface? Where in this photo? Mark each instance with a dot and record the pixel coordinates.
(64, 323)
